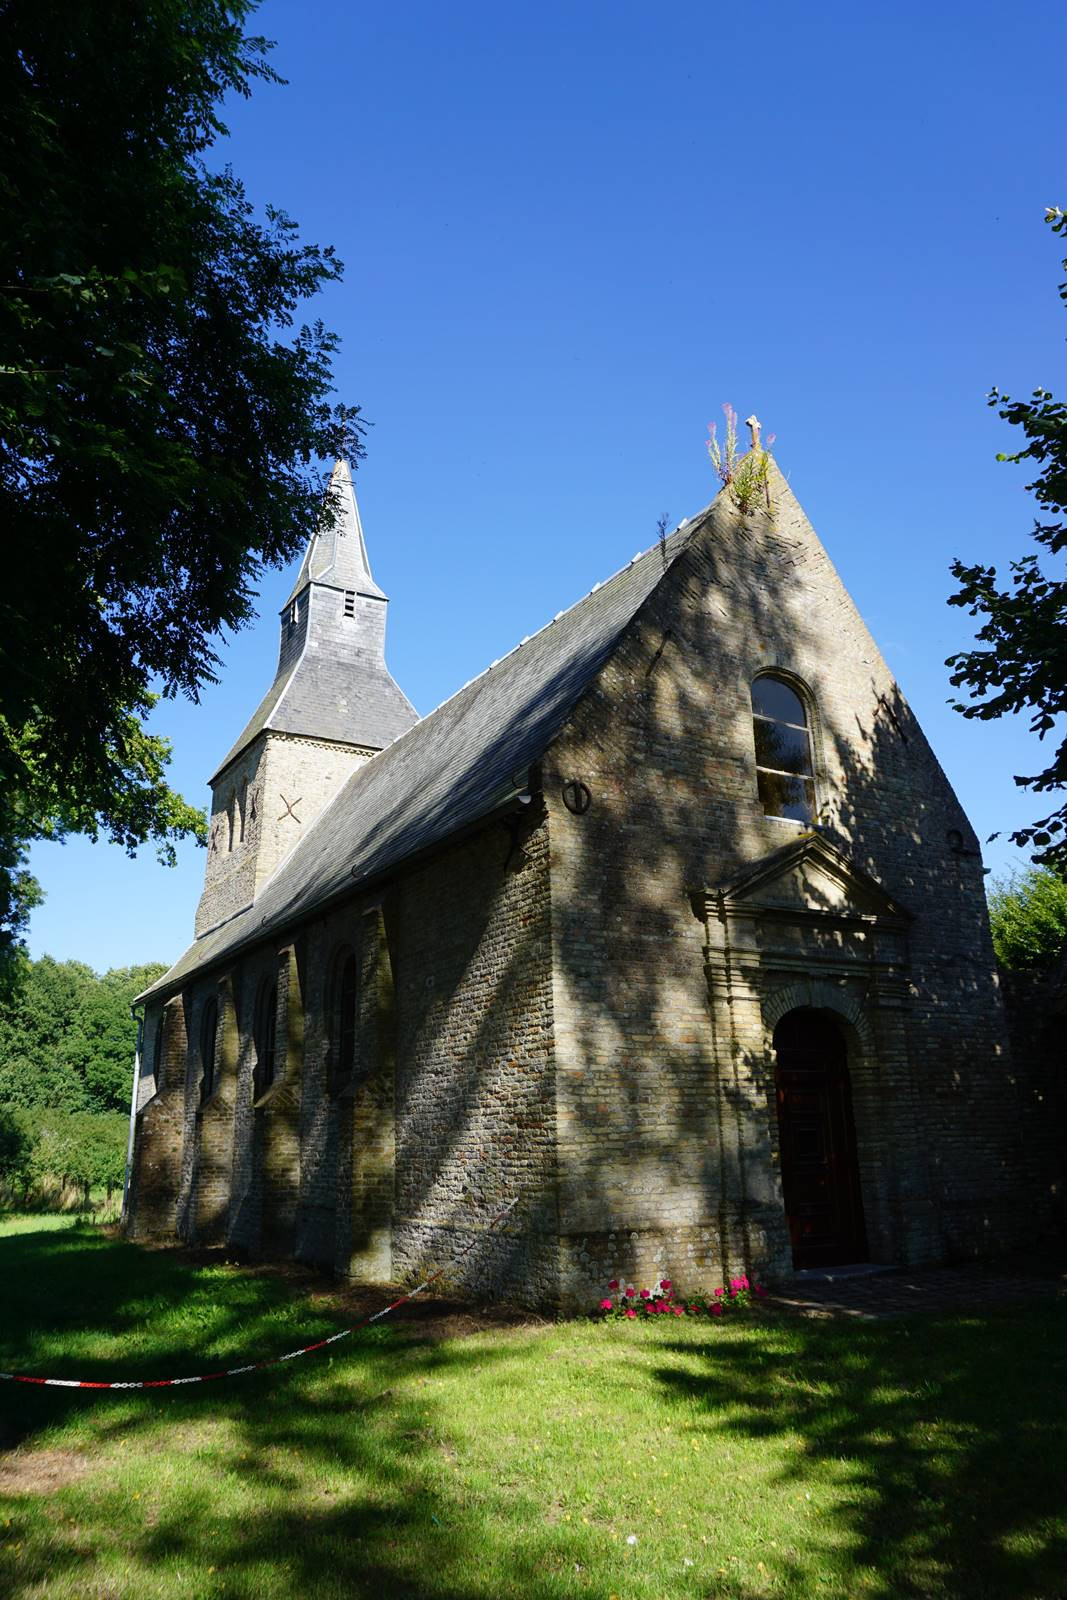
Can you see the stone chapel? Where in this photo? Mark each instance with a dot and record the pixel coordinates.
(669, 927)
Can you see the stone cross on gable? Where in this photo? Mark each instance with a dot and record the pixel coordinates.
(753, 424)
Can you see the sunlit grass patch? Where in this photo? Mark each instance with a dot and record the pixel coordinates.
(764, 1457)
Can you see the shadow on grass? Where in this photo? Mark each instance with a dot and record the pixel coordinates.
(933, 1449)
(947, 1438)
(321, 1479)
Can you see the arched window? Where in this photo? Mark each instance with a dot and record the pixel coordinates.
(344, 1006)
(209, 1029)
(242, 811)
(784, 772)
(265, 1037)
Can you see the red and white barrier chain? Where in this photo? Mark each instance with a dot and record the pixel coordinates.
(272, 1361)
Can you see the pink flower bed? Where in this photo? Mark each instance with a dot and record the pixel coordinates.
(628, 1304)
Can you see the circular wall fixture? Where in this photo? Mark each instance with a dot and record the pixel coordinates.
(576, 796)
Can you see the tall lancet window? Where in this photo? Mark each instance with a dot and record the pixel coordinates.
(784, 771)
(209, 1033)
(344, 1006)
(265, 1037)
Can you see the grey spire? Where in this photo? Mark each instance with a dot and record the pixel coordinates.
(337, 553)
(332, 682)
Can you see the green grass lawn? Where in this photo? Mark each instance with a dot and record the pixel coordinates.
(769, 1456)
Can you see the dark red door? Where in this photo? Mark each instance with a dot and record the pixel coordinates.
(820, 1176)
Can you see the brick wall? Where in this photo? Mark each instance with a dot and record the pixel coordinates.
(470, 937)
(157, 1152)
(667, 1124)
(273, 791)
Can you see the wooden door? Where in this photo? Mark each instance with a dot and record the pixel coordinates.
(820, 1175)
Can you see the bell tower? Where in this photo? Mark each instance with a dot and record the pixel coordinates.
(332, 705)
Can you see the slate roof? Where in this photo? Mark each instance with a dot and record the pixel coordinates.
(452, 768)
(352, 699)
(329, 689)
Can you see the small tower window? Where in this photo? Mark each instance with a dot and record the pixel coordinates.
(242, 809)
(293, 617)
(230, 821)
(350, 602)
(784, 772)
(209, 1029)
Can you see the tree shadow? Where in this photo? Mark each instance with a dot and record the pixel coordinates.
(668, 1132)
(945, 1438)
(340, 1457)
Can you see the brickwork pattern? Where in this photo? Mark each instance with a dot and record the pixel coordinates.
(273, 792)
(667, 1125)
(470, 932)
(214, 1128)
(157, 1152)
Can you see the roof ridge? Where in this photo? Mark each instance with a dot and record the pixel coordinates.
(452, 764)
(687, 523)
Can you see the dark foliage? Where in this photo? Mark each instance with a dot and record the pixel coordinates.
(1021, 663)
(67, 1038)
(162, 417)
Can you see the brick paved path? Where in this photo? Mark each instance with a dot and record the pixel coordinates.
(874, 1294)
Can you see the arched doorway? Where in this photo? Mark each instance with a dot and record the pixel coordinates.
(820, 1174)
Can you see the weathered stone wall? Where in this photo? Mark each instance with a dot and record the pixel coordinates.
(449, 1112)
(667, 1123)
(272, 792)
(470, 937)
(245, 1226)
(155, 1175)
(213, 1125)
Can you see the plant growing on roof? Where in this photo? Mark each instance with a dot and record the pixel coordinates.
(748, 476)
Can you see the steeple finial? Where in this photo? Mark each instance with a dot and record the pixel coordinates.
(752, 423)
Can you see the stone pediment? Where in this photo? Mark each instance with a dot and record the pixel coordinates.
(810, 879)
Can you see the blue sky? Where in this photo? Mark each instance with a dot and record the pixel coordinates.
(570, 234)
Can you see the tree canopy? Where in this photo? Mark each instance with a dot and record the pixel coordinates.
(1020, 663)
(1028, 918)
(67, 1038)
(163, 419)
